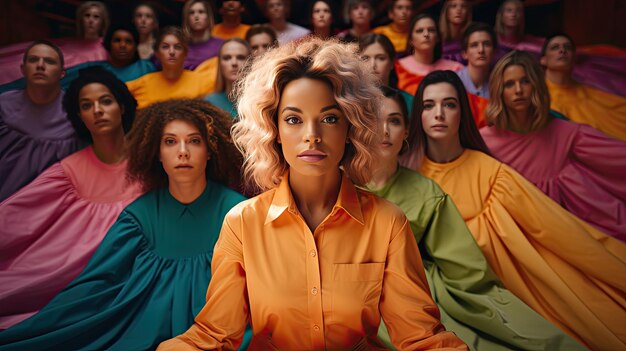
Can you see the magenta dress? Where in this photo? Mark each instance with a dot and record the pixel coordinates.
(579, 167)
(32, 137)
(75, 51)
(50, 228)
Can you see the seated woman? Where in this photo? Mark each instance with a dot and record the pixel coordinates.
(147, 279)
(597, 70)
(562, 267)
(424, 46)
(454, 18)
(50, 228)
(146, 21)
(579, 102)
(322, 18)
(173, 81)
(359, 14)
(92, 21)
(232, 58)
(313, 262)
(378, 51)
(197, 25)
(261, 38)
(471, 299)
(577, 166)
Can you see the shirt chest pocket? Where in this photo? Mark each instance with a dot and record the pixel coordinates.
(356, 287)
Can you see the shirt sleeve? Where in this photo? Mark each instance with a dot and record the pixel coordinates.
(221, 323)
(408, 310)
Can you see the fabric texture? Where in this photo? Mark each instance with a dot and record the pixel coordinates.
(320, 290)
(200, 52)
(153, 87)
(577, 166)
(144, 283)
(290, 33)
(563, 268)
(586, 105)
(220, 99)
(410, 72)
(51, 227)
(32, 137)
(397, 38)
(472, 300)
(223, 32)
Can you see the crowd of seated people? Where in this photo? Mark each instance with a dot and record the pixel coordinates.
(321, 181)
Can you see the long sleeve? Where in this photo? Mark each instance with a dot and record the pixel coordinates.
(217, 327)
(409, 312)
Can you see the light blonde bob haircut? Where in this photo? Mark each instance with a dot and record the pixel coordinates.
(445, 27)
(497, 113)
(259, 92)
(187, 9)
(80, 13)
(499, 27)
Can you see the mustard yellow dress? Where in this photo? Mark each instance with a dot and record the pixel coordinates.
(586, 105)
(565, 269)
(153, 87)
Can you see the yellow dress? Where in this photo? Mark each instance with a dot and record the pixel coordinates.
(223, 32)
(398, 38)
(153, 87)
(586, 105)
(562, 267)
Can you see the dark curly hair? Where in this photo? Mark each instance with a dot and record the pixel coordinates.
(143, 144)
(119, 90)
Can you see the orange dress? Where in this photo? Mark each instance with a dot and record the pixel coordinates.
(153, 87)
(322, 290)
(397, 38)
(565, 269)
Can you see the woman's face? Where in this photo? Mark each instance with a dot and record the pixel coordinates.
(312, 130)
(457, 12)
(123, 47)
(233, 55)
(424, 35)
(517, 89)
(183, 152)
(145, 20)
(198, 18)
(511, 15)
(92, 22)
(260, 43)
(394, 129)
(99, 110)
(441, 114)
(322, 16)
(360, 14)
(379, 61)
(171, 52)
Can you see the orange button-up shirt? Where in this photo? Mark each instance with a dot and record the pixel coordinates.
(320, 290)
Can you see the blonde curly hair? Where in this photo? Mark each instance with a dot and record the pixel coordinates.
(259, 90)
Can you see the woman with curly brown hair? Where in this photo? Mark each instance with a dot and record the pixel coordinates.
(313, 263)
(147, 280)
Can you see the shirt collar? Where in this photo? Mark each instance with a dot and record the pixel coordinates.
(347, 200)
(198, 206)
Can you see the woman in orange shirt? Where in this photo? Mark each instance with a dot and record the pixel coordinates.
(313, 263)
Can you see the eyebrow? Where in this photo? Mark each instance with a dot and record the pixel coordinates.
(393, 114)
(444, 99)
(323, 109)
(172, 134)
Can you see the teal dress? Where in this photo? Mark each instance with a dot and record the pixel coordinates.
(220, 100)
(144, 284)
(472, 301)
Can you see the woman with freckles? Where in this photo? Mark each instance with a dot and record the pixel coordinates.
(313, 263)
(556, 263)
(147, 279)
(472, 300)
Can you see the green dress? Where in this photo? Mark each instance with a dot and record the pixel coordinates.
(144, 284)
(472, 301)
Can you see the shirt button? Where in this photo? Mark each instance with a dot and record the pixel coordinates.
(312, 253)
(314, 291)
(316, 328)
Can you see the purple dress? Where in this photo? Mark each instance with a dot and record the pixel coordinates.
(200, 52)
(32, 137)
(577, 166)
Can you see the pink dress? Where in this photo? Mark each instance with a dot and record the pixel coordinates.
(50, 228)
(579, 167)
